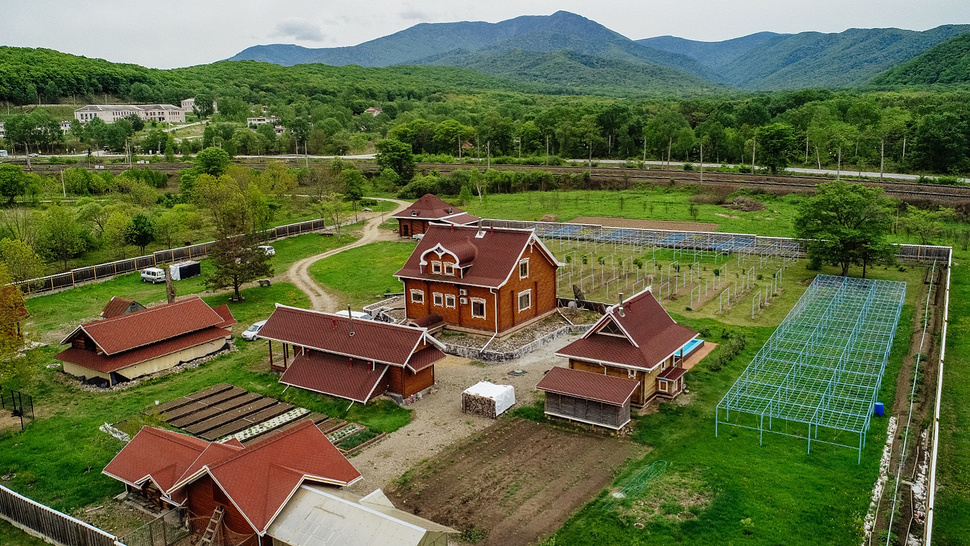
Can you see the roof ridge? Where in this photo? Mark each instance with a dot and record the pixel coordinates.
(307, 423)
(187, 299)
(367, 323)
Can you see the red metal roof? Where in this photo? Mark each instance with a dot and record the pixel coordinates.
(643, 335)
(487, 256)
(152, 325)
(227, 318)
(106, 364)
(368, 340)
(262, 477)
(673, 373)
(338, 376)
(430, 207)
(161, 455)
(615, 391)
(117, 306)
(258, 479)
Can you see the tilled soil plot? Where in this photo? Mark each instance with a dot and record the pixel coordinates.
(517, 481)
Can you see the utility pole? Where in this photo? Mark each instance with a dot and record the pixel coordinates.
(547, 149)
(702, 162)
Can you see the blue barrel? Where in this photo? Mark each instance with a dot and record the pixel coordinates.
(879, 410)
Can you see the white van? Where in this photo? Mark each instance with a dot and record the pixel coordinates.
(153, 275)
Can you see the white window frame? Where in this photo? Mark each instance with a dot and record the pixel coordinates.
(524, 262)
(417, 296)
(484, 307)
(449, 269)
(450, 301)
(436, 268)
(437, 299)
(526, 293)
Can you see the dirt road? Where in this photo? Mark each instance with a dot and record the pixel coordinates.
(299, 274)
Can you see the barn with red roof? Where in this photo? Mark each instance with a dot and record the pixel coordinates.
(415, 219)
(351, 358)
(482, 280)
(635, 340)
(237, 491)
(139, 343)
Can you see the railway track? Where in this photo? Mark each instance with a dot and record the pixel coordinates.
(626, 177)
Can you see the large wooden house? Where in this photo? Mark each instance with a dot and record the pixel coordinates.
(635, 340)
(142, 342)
(349, 358)
(415, 219)
(483, 280)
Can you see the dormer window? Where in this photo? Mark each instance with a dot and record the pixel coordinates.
(524, 269)
(436, 268)
(414, 213)
(449, 269)
(451, 211)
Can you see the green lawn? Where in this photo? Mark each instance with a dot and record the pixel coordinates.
(11, 536)
(361, 275)
(739, 492)
(58, 459)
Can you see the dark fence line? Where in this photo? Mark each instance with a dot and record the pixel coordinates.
(743, 243)
(56, 526)
(80, 275)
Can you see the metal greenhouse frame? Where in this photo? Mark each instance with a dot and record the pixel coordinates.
(823, 365)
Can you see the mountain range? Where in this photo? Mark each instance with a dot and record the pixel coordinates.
(572, 53)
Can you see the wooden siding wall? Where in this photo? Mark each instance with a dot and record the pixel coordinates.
(588, 411)
(415, 227)
(647, 380)
(541, 280)
(405, 382)
(202, 501)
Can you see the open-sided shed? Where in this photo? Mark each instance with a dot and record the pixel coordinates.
(595, 399)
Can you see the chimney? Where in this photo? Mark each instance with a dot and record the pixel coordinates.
(350, 315)
(620, 308)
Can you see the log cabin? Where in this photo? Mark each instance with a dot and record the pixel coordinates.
(480, 280)
(636, 340)
(350, 358)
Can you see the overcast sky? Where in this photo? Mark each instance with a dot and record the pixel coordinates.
(183, 33)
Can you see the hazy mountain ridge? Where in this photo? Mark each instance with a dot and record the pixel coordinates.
(760, 61)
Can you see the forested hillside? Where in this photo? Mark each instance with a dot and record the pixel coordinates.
(947, 63)
(809, 59)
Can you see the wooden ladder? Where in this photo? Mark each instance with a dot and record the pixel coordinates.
(214, 521)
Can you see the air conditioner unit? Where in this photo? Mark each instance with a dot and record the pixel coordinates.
(464, 301)
(462, 291)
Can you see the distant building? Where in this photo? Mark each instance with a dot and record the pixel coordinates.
(110, 113)
(120, 306)
(262, 120)
(189, 104)
(3, 131)
(429, 208)
(374, 111)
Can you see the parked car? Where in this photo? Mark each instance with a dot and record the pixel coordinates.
(358, 315)
(270, 251)
(251, 332)
(153, 275)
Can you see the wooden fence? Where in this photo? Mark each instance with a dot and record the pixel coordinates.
(57, 527)
(80, 275)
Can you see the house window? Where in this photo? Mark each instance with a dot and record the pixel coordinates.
(417, 296)
(663, 386)
(436, 268)
(449, 269)
(478, 308)
(524, 268)
(449, 300)
(438, 299)
(525, 300)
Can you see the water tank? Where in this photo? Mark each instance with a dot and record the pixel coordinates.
(879, 409)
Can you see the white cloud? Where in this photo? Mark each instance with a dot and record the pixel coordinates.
(298, 30)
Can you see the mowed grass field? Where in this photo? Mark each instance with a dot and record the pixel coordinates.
(714, 490)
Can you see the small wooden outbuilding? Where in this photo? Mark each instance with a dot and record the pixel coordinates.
(590, 398)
